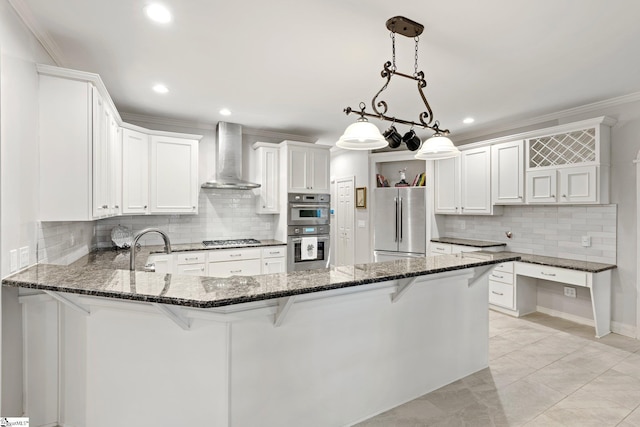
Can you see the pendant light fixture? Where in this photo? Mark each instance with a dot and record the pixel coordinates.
(363, 135)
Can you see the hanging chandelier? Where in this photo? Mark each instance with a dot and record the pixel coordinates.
(363, 135)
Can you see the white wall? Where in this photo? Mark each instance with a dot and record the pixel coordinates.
(19, 51)
(345, 164)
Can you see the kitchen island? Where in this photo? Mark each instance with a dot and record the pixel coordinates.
(321, 347)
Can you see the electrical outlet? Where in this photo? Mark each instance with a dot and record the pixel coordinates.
(24, 256)
(13, 254)
(361, 223)
(570, 292)
(586, 241)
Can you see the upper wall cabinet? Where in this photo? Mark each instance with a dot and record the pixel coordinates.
(507, 173)
(174, 175)
(266, 173)
(570, 166)
(307, 168)
(78, 147)
(463, 184)
(135, 172)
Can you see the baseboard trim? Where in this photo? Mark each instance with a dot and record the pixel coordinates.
(566, 316)
(616, 327)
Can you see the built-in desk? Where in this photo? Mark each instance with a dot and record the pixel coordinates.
(513, 285)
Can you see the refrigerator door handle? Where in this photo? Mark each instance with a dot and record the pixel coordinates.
(396, 200)
(401, 219)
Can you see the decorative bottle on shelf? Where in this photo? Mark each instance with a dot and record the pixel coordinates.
(403, 179)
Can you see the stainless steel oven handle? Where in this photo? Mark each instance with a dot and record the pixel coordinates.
(326, 206)
(299, 239)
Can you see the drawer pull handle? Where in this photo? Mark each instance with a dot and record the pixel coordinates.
(548, 274)
(439, 248)
(499, 277)
(191, 259)
(235, 271)
(497, 293)
(235, 255)
(274, 253)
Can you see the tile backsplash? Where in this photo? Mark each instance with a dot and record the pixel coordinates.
(64, 242)
(544, 230)
(222, 214)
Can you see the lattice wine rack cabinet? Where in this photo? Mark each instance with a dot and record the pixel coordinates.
(571, 165)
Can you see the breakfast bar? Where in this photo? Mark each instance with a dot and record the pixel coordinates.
(321, 347)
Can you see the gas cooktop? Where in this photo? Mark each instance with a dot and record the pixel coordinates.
(231, 242)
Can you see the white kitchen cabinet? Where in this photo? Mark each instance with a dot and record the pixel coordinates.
(307, 168)
(501, 286)
(475, 185)
(463, 184)
(437, 248)
(507, 173)
(578, 184)
(447, 186)
(266, 173)
(135, 172)
(234, 262)
(78, 147)
(274, 259)
(570, 166)
(174, 175)
(542, 186)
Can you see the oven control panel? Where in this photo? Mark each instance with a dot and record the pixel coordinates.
(300, 230)
(309, 198)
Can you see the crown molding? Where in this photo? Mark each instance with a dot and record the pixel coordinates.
(246, 130)
(594, 107)
(38, 31)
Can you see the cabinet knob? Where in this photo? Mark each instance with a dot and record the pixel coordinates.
(553, 195)
(116, 207)
(145, 206)
(263, 206)
(105, 206)
(193, 207)
(564, 195)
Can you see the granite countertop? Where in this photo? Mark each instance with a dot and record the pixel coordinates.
(467, 242)
(106, 274)
(187, 247)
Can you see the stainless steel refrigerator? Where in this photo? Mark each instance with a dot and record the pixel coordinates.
(400, 223)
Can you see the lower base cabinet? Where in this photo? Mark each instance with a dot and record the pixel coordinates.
(222, 262)
(501, 290)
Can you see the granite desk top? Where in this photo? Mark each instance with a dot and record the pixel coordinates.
(467, 242)
(571, 264)
(106, 274)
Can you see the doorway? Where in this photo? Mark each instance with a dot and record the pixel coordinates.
(345, 245)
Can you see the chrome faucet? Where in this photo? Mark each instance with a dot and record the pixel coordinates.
(132, 257)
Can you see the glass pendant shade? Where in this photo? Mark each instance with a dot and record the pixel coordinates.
(362, 135)
(437, 147)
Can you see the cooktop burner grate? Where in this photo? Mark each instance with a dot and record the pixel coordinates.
(231, 242)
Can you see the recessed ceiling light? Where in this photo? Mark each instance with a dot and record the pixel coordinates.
(225, 112)
(468, 120)
(160, 88)
(158, 13)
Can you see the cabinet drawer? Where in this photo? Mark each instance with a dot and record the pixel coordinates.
(274, 252)
(441, 248)
(507, 267)
(501, 294)
(234, 254)
(190, 258)
(563, 275)
(235, 268)
(191, 269)
(501, 276)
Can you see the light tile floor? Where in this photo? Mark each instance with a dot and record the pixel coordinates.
(543, 372)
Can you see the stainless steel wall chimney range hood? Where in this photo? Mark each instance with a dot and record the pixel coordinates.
(229, 152)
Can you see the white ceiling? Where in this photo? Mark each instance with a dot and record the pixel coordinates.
(293, 65)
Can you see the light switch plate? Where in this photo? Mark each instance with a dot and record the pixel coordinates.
(24, 256)
(13, 254)
(361, 223)
(586, 241)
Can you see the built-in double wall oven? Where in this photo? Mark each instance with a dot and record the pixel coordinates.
(308, 242)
